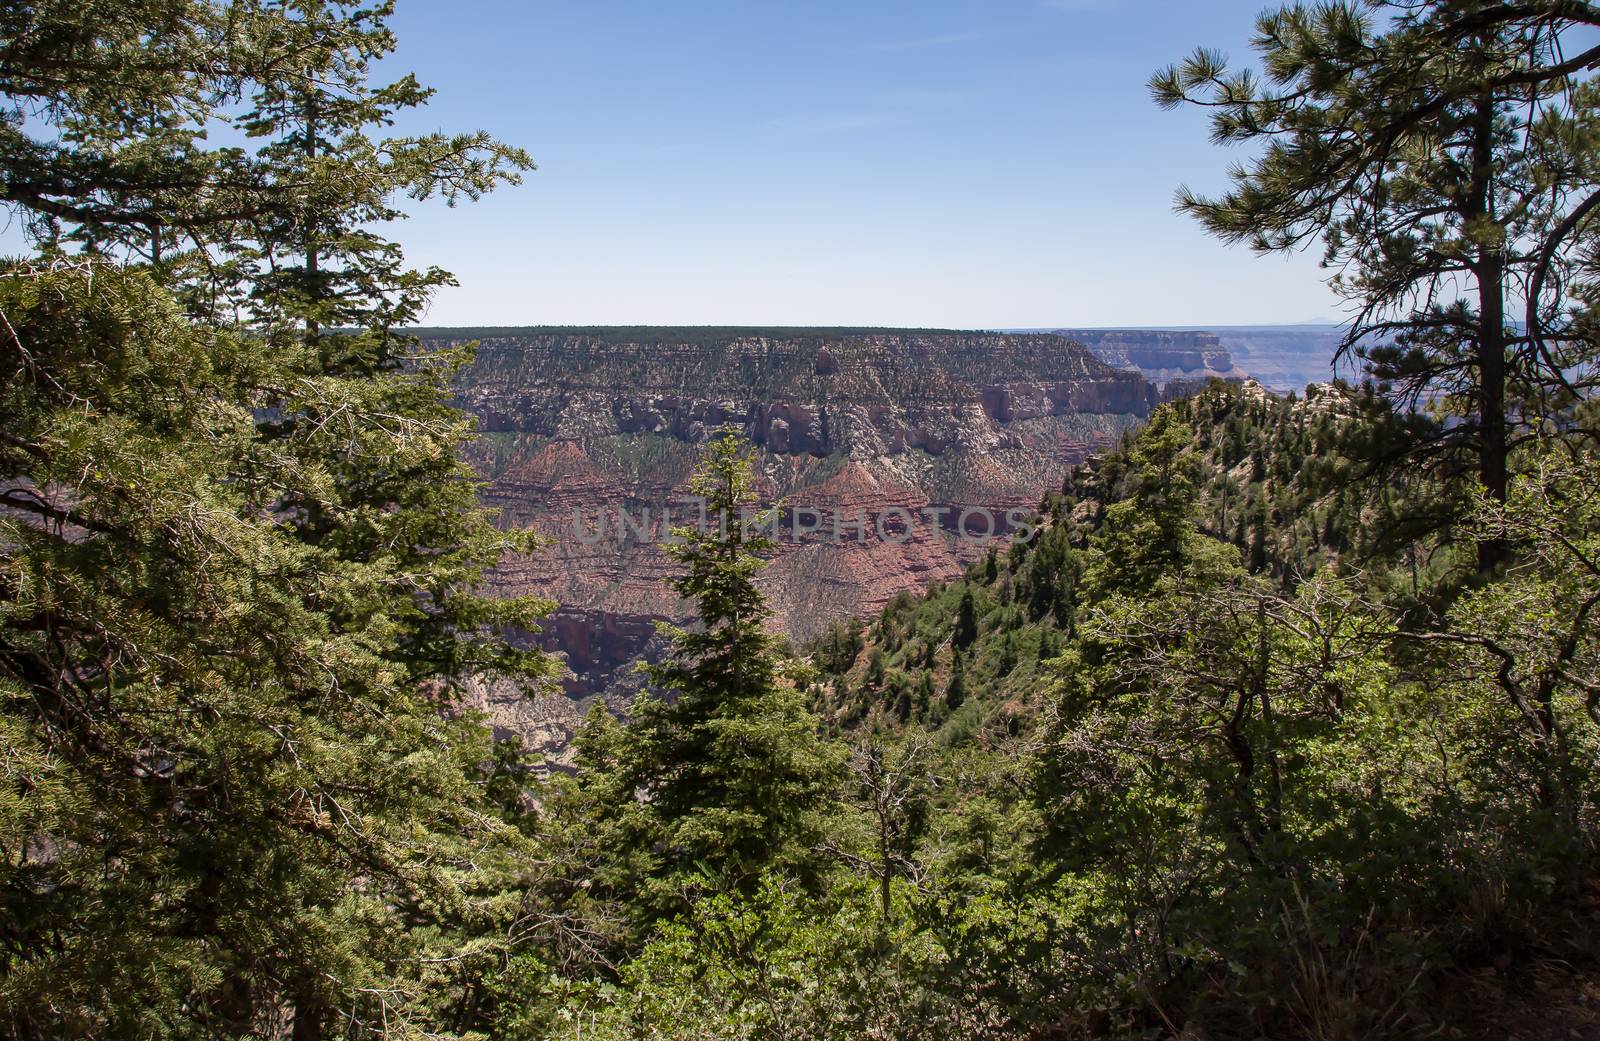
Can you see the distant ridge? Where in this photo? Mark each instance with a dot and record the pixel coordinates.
(681, 333)
(579, 422)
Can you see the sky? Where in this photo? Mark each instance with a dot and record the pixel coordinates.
(951, 163)
(932, 163)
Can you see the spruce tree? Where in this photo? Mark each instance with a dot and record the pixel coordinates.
(240, 559)
(727, 760)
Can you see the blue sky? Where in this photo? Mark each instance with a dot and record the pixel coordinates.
(943, 162)
(937, 163)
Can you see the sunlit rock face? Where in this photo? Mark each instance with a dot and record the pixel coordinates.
(590, 435)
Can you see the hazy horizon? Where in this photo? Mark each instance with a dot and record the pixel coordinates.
(1211, 327)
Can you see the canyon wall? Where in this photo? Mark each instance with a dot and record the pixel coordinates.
(1185, 357)
(1287, 358)
(1282, 358)
(590, 435)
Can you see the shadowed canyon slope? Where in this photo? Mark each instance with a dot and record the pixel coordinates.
(583, 426)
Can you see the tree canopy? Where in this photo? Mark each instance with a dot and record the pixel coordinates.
(1444, 154)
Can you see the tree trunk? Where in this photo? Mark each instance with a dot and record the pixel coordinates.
(308, 1016)
(313, 261)
(1492, 400)
(1490, 273)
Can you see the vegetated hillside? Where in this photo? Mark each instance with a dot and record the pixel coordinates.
(1243, 745)
(1279, 487)
(579, 427)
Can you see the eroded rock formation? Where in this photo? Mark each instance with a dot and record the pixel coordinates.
(1186, 357)
(875, 441)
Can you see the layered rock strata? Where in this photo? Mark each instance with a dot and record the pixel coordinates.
(879, 444)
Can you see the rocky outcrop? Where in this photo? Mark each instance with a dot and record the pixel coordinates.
(879, 444)
(1160, 355)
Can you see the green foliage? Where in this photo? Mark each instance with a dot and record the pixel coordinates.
(197, 696)
(1215, 725)
(755, 966)
(1246, 742)
(1149, 533)
(725, 776)
(1445, 154)
(966, 627)
(241, 555)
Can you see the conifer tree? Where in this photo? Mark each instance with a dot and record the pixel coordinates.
(874, 674)
(1444, 153)
(955, 692)
(1151, 533)
(240, 561)
(966, 628)
(728, 763)
(119, 94)
(317, 259)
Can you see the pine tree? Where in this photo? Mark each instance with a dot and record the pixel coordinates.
(729, 764)
(1444, 154)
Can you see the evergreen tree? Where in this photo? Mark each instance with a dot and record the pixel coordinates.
(1151, 533)
(966, 628)
(730, 764)
(924, 693)
(1008, 654)
(260, 791)
(1444, 153)
(318, 259)
(118, 95)
(874, 674)
(900, 693)
(237, 634)
(955, 692)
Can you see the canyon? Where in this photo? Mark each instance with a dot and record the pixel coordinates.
(871, 441)
(1282, 358)
(589, 436)
(1161, 356)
